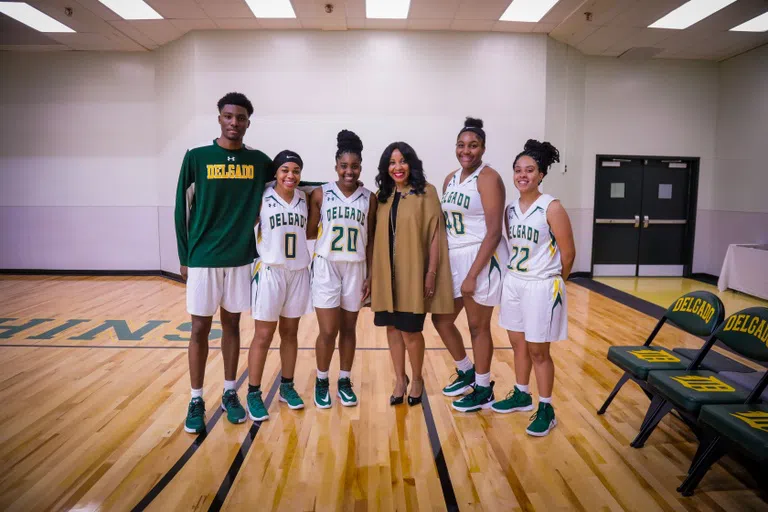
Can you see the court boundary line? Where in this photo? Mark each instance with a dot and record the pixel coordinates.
(186, 456)
(449, 495)
(245, 447)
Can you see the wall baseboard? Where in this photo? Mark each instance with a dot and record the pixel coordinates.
(59, 272)
(580, 274)
(705, 278)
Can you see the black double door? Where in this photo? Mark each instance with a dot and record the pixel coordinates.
(643, 216)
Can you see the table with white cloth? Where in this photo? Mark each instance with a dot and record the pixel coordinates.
(745, 269)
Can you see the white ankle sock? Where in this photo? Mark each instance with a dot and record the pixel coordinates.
(522, 388)
(344, 374)
(464, 365)
(322, 375)
(547, 400)
(483, 379)
(229, 384)
(197, 393)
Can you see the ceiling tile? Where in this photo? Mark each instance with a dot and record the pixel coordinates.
(603, 38)
(386, 24)
(489, 10)
(544, 28)
(238, 23)
(356, 23)
(355, 8)
(323, 23)
(424, 24)
(225, 8)
(195, 24)
(513, 26)
(159, 31)
(473, 25)
(131, 31)
(433, 9)
(279, 24)
(177, 9)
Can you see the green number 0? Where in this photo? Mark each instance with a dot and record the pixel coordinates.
(352, 239)
(290, 245)
(337, 245)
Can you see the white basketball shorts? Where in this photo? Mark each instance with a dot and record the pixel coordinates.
(337, 283)
(209, 288)
(489, 281)
(535, 307)
(277, 291)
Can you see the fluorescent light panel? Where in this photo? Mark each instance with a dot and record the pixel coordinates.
(689, 13)
(132, 9)
(527, 10)
(387, 9)
(271, 8)
(759, 24)
(31, 17)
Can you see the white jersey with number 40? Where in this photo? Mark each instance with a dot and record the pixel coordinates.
(343, 234)
(533, 250)
(463, 211)
(281, 236)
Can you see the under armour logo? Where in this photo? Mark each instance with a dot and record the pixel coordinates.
(230, 159)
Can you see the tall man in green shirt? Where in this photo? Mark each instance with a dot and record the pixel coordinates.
(217, 204)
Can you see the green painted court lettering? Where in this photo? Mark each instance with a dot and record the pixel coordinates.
(47, 335)
(9, 331)
(121, 329)
(215, 334)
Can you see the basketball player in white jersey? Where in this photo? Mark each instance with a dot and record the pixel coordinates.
(473, 206)
(345, 213)
(533, 305)
(280, 285)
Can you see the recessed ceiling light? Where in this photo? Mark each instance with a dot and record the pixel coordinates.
(271, 8)
(759, 24)
(31, 17)
(527, 10)
(132, 9)
(387, 9)
(689, 13)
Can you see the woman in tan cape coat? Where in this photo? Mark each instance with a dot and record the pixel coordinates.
(411, 271)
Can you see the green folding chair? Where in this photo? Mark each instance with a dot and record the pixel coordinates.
(687, 391)
(698, 313)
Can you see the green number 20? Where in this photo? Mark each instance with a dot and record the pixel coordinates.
(337, 244)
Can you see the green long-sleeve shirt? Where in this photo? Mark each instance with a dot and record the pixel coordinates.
(217, 203)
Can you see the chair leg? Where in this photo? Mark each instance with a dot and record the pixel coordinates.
(656, 402)
(624, 378)
(646, 432)
(700, 467)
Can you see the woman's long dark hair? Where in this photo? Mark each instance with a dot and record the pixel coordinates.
(416, 178)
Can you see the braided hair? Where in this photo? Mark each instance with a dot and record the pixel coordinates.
(544, 153)
(348, 142)
(475, 126)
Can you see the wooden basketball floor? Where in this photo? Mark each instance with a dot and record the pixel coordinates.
(94, 389)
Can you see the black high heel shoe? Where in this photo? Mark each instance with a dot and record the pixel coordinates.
(415, 400)
(397, 400)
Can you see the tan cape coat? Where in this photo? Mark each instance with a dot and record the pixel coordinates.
(418, 217)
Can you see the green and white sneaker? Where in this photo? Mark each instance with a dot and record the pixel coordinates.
(543, 421)
(195, 422)
(480, 398)
(348, 397)
(289, 395)
(516, 400)
(322, 395)
(463, 382)
(256, 409)
(230, 402)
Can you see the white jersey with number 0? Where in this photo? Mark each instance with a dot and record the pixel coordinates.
(281, 236)
(533, 250)
(463, 211)
(343, 234)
